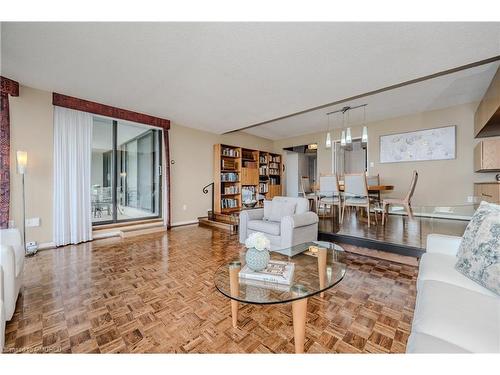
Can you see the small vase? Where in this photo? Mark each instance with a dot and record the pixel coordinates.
(257, 260)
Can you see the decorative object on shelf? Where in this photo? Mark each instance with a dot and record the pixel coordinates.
(257, 255)
(428, 144)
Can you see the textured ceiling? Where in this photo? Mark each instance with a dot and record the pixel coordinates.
(223, 76)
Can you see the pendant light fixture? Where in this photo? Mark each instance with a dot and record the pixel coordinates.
(348, 137)
(364, 135)
(328, 143)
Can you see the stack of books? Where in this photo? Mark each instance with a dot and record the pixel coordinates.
(277, 271)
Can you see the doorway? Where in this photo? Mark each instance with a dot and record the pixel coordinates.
(354, 160)
(301, 161)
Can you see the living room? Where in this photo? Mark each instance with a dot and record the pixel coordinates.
(250, 187)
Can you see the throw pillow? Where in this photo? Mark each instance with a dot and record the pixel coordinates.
(479, 252)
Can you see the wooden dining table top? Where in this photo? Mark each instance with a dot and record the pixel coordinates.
(374, 187)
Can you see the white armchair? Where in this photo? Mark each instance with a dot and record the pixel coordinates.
(300, 227)
(12, 262)
(2, 313)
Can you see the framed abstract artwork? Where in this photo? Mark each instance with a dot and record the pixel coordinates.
(420, 145)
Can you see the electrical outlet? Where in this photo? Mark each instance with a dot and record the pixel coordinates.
(471, 199)
(33, 222)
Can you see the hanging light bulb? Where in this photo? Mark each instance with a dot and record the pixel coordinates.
(364, 135)
(348, 138)
(328, 142)
(342, 139)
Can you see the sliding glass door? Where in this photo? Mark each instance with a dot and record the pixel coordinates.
(133, 164)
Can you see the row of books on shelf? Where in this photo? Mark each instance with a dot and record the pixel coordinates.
(274, 180)
(263, 187)
(228, 164)
(274, 171)
(229, 203)
(229, 177)
(275, 159)
(232, 189)
(263, 169)
(230, 152)
(263, 159)
(274, 165)
(249, 164)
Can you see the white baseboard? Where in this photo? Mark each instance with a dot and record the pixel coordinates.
(181, 223)
(46, 245)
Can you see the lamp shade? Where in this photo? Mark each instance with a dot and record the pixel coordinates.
(328, 142)
(348, 137)
(364, 136)
(22, 161)
(342, 139)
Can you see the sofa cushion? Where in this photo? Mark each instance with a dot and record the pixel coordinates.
(441, 267)
(479, 252)
(464, 318)
(275, 210)
(422, 343)
(269, 227)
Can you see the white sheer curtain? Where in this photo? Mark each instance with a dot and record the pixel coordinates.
(72, 164)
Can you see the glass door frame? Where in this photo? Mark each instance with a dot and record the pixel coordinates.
(115, 175)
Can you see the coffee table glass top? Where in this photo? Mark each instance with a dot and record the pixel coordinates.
(311, 275)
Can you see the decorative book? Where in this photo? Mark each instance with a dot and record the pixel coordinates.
(276, 272)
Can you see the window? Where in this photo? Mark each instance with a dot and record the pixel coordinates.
(126, 171)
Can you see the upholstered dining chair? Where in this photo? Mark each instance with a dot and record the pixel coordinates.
(329, 192)
(405, 201)
(356, 194)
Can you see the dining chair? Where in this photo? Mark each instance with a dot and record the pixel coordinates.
(356, 194)
(329, 192)
(373, 181)
(306, 190)
(405, 202)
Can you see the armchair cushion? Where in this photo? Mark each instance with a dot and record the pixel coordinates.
(302, 204)
(275, 210)
(266, 227)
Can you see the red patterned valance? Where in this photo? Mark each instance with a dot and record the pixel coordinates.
(9, 86)
(106, 110)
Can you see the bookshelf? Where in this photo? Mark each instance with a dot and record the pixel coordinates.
(241, 173)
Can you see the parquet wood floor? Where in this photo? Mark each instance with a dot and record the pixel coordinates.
(155, 294)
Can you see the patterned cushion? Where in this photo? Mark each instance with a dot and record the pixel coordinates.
(479, 252)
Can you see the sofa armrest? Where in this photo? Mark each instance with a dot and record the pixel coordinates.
(443, 244)
(11, 237)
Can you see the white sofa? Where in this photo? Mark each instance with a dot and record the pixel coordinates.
(12, 262)
(453, 314)
(298, 228)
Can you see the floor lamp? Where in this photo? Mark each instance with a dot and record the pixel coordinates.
(22, 162)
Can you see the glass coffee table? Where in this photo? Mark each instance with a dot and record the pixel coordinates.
(314, 273)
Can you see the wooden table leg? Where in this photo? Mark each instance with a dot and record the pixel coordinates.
(322, 269)
(299, 312)
(234, 286)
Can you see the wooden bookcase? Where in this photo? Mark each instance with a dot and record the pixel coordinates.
(239, 172)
